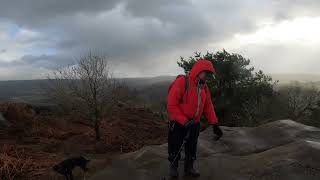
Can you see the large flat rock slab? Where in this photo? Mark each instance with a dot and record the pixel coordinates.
(279, 150)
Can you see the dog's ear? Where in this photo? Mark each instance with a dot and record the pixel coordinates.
(87, 160)
(55, 167)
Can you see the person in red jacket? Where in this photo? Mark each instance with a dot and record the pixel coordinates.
(188, 99)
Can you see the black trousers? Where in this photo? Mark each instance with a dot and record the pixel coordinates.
(177, 133)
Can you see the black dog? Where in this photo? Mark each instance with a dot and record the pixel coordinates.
(66, 166)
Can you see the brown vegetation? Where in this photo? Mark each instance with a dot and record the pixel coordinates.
(34, 143)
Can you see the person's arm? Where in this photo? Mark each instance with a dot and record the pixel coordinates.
(211, 116)
(174, 98)
(208, 110)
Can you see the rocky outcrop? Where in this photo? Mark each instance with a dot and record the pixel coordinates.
(279, 150)
(17, 112)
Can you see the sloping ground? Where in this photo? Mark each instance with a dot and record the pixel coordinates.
(279, 150)
(33, 143)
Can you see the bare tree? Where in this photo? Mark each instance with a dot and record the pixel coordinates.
(87, 88)
(301, 101)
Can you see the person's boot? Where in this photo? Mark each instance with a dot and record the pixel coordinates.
(173, 171)
(189, 169)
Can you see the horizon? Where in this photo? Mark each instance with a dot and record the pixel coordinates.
(282, 77)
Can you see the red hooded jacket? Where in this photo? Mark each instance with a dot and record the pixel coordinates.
(182, 105)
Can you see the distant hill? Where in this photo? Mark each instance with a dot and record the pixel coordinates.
(150, 88)
(34, 91)
(287, 77)
(142, 82)
(29, 91)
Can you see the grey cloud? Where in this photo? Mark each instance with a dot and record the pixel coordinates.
(39, 12)
(46, 61)
(41, 61)
(140, 32)
(165, 10)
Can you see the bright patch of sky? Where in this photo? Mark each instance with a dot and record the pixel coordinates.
(16, 42)
(289, 46)
(304, 31)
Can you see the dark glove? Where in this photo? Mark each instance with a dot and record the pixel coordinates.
(189, 124)
(217, 131)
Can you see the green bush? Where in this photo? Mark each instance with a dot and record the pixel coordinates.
(239, 94)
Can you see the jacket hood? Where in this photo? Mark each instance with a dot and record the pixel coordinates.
(199, 66)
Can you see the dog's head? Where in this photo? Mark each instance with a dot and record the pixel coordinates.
(82, 162)
(59, 169)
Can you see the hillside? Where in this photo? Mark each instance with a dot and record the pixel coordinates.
(279, 150)
(32, 142)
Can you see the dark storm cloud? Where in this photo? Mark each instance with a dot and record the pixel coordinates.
(120, 32)
(124, 35)
(139, 31)
(39, 12)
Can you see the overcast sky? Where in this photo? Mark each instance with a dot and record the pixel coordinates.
(146, 38)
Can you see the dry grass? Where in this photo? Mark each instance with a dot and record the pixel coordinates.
(18, 163)
(33, 145)
(13, 163)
